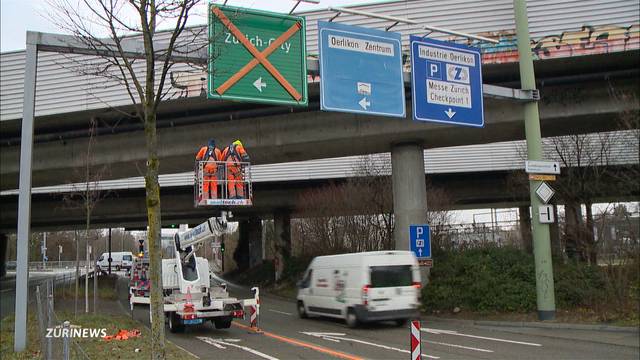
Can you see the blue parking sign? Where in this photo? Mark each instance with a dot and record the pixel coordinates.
(446, 82)
(420, 240)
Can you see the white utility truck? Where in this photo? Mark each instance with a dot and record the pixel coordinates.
(191, 296)
(362, 287)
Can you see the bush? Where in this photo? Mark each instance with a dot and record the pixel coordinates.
(578, 284)
(295, 267)
(493, 279)
(482, 279)
(264, 273)
(261, 275)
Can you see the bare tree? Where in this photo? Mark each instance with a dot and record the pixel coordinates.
(629, 123)
(86, 196)
(357, 214)
(439, 217)
(592, 165)
(123, 22)
(351, 216)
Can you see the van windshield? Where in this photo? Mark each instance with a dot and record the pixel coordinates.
(389, 276)
(127, 258)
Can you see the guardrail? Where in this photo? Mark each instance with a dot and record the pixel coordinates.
(49, 265)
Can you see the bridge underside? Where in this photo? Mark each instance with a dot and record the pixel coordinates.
(126, 208)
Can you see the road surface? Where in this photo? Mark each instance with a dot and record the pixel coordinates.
(286, 336)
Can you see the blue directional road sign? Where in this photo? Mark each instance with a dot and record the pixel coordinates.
(446, 82)
(360, 70)
(420, 240)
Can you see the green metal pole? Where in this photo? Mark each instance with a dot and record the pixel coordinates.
(541, 241)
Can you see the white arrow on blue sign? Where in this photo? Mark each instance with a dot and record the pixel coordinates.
(420, 240)
(446, 81)
(360, 70)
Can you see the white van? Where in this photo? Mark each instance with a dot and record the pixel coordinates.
(119, 260)
(362, 287)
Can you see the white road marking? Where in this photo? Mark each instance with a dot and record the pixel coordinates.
(232, 340)
(322, 333)
(216, 345)
(331, 339)
(327, 336)
(185, 350)
(451, 332)
(280, 312)
(216, 342)
(457, 346)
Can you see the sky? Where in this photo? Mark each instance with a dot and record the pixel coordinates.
(18, 16)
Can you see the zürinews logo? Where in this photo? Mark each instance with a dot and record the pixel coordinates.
(75, 332)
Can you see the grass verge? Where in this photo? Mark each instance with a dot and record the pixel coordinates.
(94, 348)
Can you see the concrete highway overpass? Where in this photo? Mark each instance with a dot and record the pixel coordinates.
(579, 101)
(278, 187)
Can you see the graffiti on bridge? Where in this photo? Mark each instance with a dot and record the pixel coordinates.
(589, 40)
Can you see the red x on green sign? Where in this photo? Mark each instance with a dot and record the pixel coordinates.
(256, 56)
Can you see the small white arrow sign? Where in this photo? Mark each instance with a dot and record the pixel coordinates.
(364, 103)
(259, 84)
(420, 252)
(450, 113)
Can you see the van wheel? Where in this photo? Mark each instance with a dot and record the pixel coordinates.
(352, 318)
(401, 322)
(301, 312)
(174, 323)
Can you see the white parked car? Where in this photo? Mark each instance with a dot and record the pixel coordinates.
(119, 260)
(362, 287)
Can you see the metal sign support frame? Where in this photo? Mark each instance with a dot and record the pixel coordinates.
(398, 20)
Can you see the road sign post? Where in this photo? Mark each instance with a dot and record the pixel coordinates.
(545, 295)
(256, 56)
(420, 242)
(446, 81)
(360, 70)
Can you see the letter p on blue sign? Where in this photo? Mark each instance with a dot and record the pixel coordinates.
(420, 240)
(434, 70)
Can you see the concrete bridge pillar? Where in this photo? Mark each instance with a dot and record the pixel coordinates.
(255, 241)
(249, 250)
(409, 190)
(241, 254)
(409, 194)
(282, 232)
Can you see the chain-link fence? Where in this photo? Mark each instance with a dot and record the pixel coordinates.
(55, 333)
(470, 235)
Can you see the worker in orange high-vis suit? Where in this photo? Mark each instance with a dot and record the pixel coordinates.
(211, 154)
(234, 154)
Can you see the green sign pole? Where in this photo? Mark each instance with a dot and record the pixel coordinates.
(256, 56)
(541, 241)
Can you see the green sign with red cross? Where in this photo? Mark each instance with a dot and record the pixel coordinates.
(256, 56)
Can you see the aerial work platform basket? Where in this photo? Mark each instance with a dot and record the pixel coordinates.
(222, 183)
